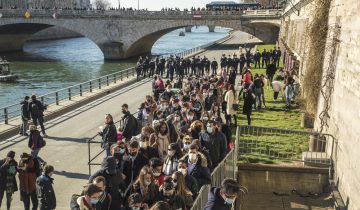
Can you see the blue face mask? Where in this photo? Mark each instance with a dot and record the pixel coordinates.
(122, 151)
(94, 201)
(190, 118)
(209, 129)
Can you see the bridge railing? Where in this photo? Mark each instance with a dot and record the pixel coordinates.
(6, 13)
(195, 50)
(12, 112)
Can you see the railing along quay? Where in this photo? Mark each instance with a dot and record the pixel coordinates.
(13, 111)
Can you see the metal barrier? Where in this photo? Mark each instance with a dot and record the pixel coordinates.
(227, 168)
(97, 140)
(13, 111)
(272, 144)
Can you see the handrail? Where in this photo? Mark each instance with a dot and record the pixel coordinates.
(92, 141)
(8, 113)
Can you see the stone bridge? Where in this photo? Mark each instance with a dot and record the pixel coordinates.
(123, 34)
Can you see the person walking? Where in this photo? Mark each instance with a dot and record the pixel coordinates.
(231, 104)
(37, 113)
(248, 103)
(8, 185)
(29, 170)
(35, 143)
(129, 123)
(44, 189)
(258, 87)
(25, 116)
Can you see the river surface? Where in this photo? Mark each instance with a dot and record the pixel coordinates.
(46, 66)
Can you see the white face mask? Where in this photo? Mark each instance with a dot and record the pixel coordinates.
(143, 144)
(192, 157)
(147, 183)
(156, 174)
(186, 147)
(229, 201)
(183, 171)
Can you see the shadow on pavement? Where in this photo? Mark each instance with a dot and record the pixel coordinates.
(72, 175)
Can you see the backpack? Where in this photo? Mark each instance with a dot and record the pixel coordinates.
(35, 109)
(42, 142)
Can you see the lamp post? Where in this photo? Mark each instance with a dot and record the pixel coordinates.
(138, 4)
(119, 5)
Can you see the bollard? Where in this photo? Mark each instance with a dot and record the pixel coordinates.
(57, 98)
(80, 87)
(127, 73)
(121, 76)
(69, 92)
(114, 78)
(107, 80)
(6, 116)
(90, 87)
(99, 83)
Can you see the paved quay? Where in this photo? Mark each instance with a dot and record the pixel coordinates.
(66, 147)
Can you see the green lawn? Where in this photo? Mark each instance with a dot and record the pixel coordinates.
(269, 147)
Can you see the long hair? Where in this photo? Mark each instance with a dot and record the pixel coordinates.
(181, 189)
(141, 183)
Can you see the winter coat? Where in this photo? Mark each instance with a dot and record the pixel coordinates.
(132, 167)
(176, 202)
(152, 195)
(217, 146)
(201, 171)
(35, 140)
(40, 109)
(45, 192)
(25, 111)
(129, 124)
(192, 185)
(113, 178)
(230, 100)
(28, 176)
(78, 203)
(4, 170)
(248, 103)
(109, 135)
(150, 152)
(215, 201)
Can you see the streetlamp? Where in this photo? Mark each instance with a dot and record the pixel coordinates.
(119, 5)
(138, 4)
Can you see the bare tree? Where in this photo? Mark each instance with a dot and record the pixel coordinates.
(101, 4)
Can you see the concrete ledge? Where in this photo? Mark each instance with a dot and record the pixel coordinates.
(282, 168)
(54, 111)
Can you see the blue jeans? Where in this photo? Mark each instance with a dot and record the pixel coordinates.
(35, 153)
(258, 97)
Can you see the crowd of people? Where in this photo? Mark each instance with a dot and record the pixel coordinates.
(162, 155)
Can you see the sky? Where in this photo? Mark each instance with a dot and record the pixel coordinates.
(158, 4)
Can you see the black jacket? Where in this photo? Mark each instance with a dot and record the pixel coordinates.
(192, 185)
(36, 137)
(150, 152)
(25, 111)
(176, 202)
(45, 192)
(217, 146)
(132, 168)
(3, 174)
(109, 135)
(271, 69)
(41, 109)
(129, 124)
(201, 171)
(112, 175)
(215, 201)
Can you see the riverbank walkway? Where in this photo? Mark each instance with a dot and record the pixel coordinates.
(66, 147)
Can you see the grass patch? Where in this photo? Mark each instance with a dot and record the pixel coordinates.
(268, 147)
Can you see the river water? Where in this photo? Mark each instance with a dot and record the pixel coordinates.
(46, 66)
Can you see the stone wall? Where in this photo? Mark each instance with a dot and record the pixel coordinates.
(54, 33)
(338, 108)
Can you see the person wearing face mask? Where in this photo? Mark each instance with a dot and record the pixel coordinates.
(177, 120)
(217, 143)
(197, 165)
(135, 202)
(44, 189)
(196, 106)
(161, 138)
(156, 165)
(186, 142)
(168, 93)
(172, 160)
(133, 165)
(167, 194)
(190, 181)
(181, 189)
(175, 106)
(223, 198)
(196, 128)
(105, 199)
(89, 201)
(113, 179)
(189, 118)
(209, 100)
(146, 187)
